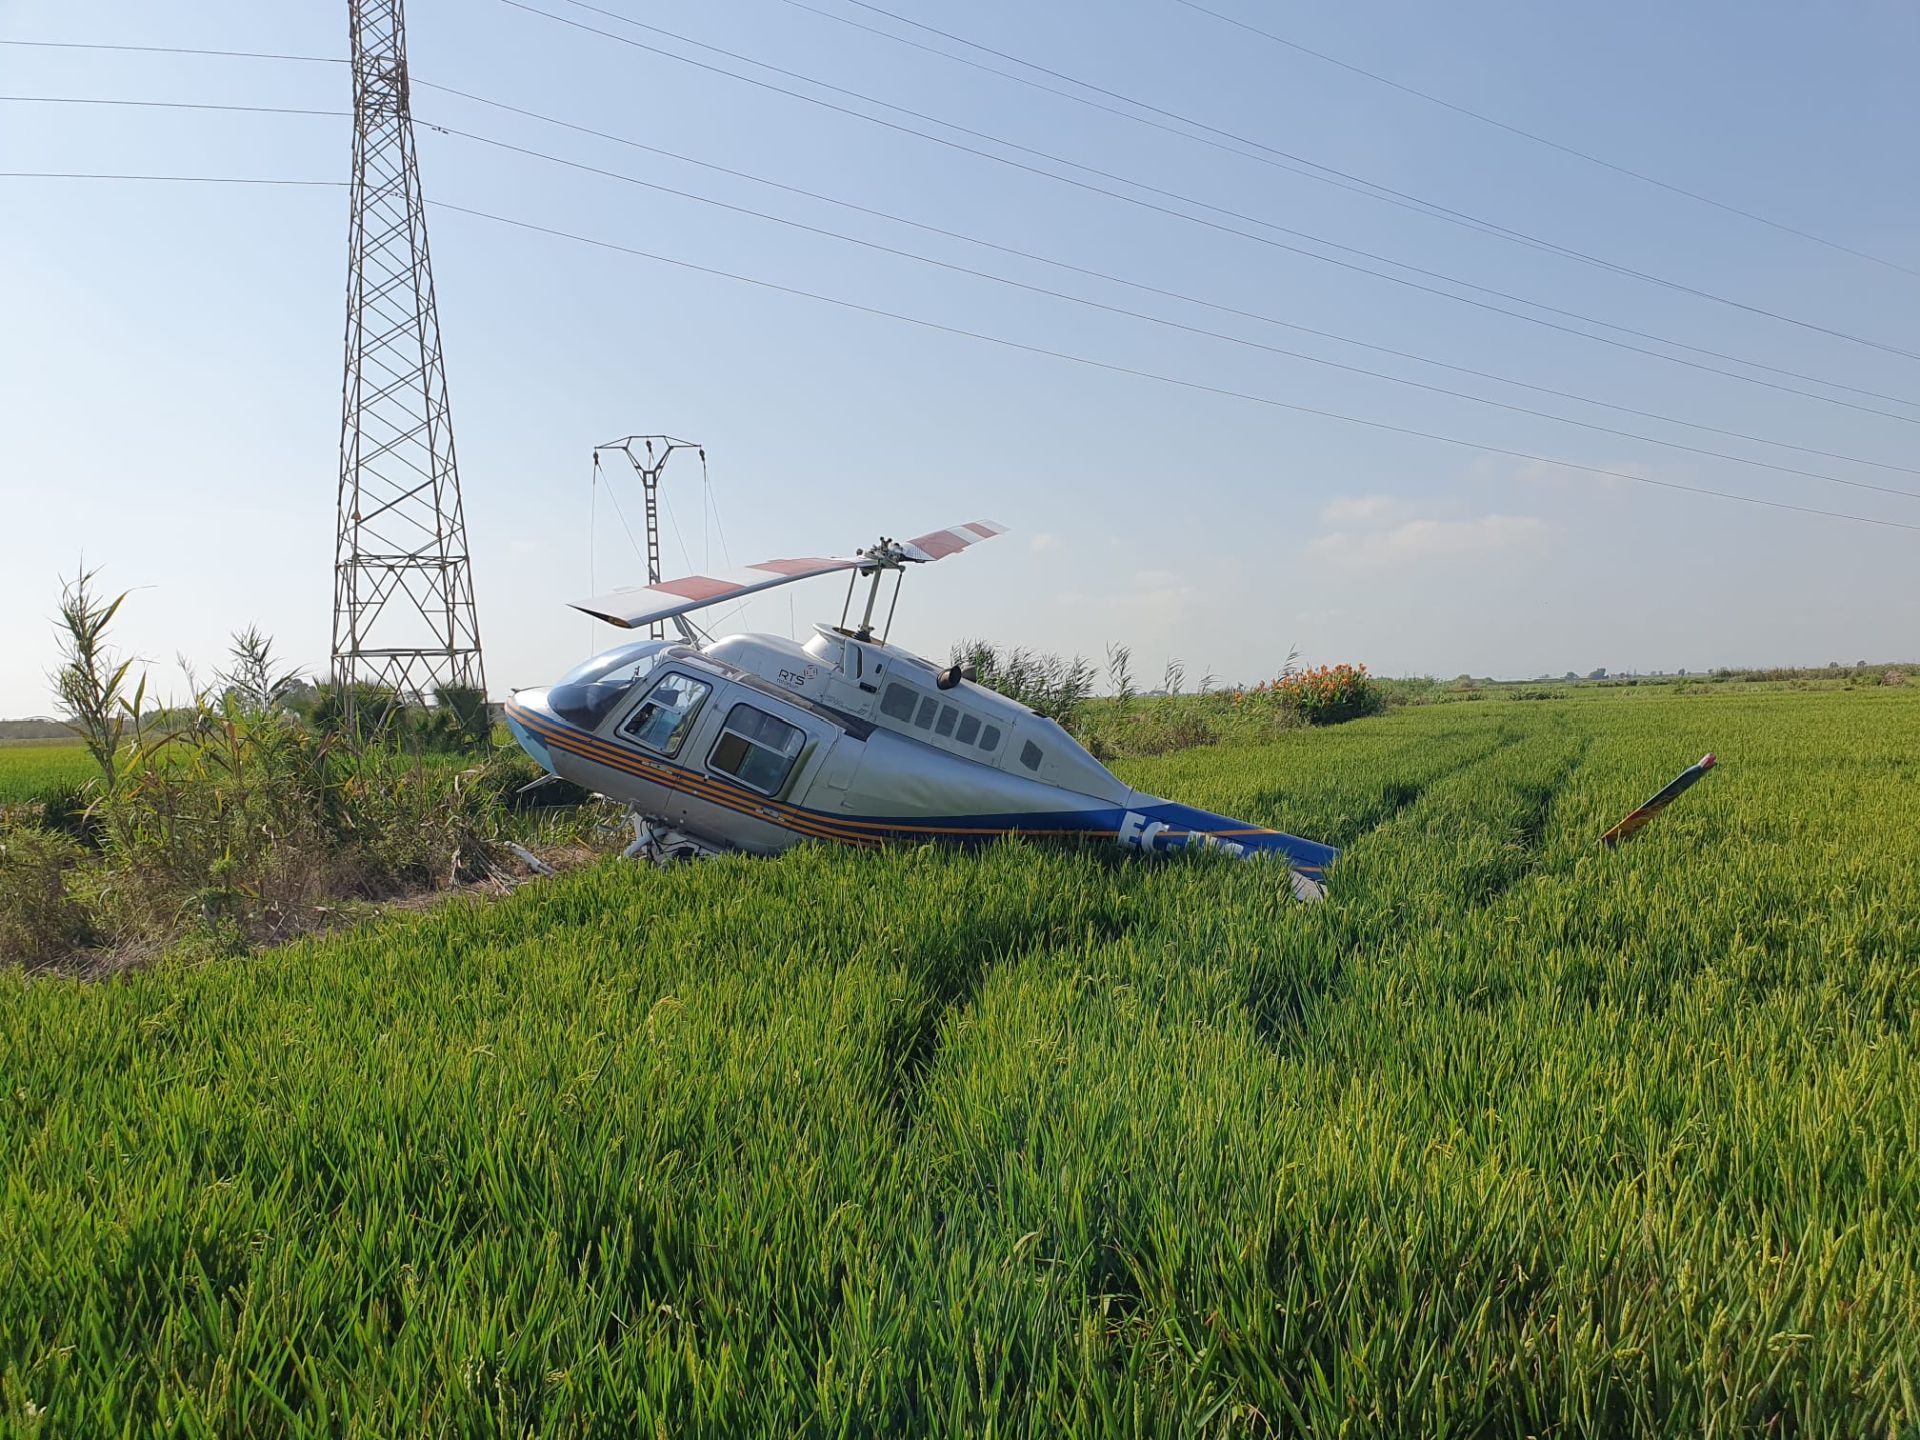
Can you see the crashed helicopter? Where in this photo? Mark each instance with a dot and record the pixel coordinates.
(756, 743)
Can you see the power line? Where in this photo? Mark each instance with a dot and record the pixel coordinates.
(336, 60)
(1161, 320)
(1097, 189)
(1342, 179)
(1022, 346)
(1193, 385)
(1155, 289)
(1333, 335)
(1190, 4)
(172, 105)
(177, 179)
(174, 50)
(1204, 205)
(1080, 300)
(1279, 159)
(1540, 139)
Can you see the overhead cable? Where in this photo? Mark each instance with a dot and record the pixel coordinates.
(1202, 220)
(1540, 139)
(1193, 385)
(1292, 162)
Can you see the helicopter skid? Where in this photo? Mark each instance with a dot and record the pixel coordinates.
(661, 843)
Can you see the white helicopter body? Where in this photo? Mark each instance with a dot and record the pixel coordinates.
(756, 743)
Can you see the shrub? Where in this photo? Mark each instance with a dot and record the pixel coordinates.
(1152, 727)
(1046, 684)
(463, 716)
(1324, 695)
(92, 681)
(249, 818)
(457, 723)
(40, 917)
(67, 809)
(375, 709)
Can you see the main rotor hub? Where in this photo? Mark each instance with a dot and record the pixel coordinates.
(890, 554)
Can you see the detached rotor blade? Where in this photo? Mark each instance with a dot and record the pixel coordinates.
(1668, 793)
(644, 604)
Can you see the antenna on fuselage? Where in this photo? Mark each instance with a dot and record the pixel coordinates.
(650, 472)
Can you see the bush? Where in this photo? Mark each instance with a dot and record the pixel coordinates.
(376, 711)
(1157, 726)
(1325, 695)
(462, 718)
(40, 917)
(1046, 684)
(457, 723)
(67, 809)
(247, 819)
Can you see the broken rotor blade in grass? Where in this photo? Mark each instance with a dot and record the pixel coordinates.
(1668, 793)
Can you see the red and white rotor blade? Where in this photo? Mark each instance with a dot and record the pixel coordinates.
(938, 544)
(644, 604)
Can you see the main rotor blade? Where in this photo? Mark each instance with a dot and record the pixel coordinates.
(938, 544)
(644, 604)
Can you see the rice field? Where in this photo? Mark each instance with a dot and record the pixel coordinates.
(31, 769)
(1512, 1136)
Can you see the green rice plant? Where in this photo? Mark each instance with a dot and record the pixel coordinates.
(32, 769)
(1510, 1135)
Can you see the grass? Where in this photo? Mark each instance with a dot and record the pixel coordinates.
(1511, 1136)
(32, 769)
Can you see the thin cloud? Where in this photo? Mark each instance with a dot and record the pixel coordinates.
(1416, 541)
(1361, 512)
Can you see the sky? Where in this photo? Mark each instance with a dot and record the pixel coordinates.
(170, 353)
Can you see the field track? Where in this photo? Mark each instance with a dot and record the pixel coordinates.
(1513, 1135)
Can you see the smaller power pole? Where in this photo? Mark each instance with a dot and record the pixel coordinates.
(659, 450)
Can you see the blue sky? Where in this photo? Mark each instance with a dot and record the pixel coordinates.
(170, 356)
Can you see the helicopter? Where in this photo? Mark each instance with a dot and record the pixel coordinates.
(757, 743)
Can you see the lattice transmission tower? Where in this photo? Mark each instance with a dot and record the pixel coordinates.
(403, 613)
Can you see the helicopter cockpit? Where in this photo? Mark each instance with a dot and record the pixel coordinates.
(587, 694)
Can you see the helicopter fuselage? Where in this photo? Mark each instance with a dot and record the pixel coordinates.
(757, 743)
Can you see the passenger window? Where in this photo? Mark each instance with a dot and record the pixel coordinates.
(898, 702)
(1030, 755)
(969, 728)
(929, 707)
(666, 715)
(989, 738)
(757, 749)
(947, 716)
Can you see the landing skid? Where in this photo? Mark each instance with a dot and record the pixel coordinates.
(661, 844)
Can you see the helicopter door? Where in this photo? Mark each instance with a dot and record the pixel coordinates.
(664, 722)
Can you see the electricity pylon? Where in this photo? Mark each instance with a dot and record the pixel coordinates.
(650, 471)
(403, 613)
